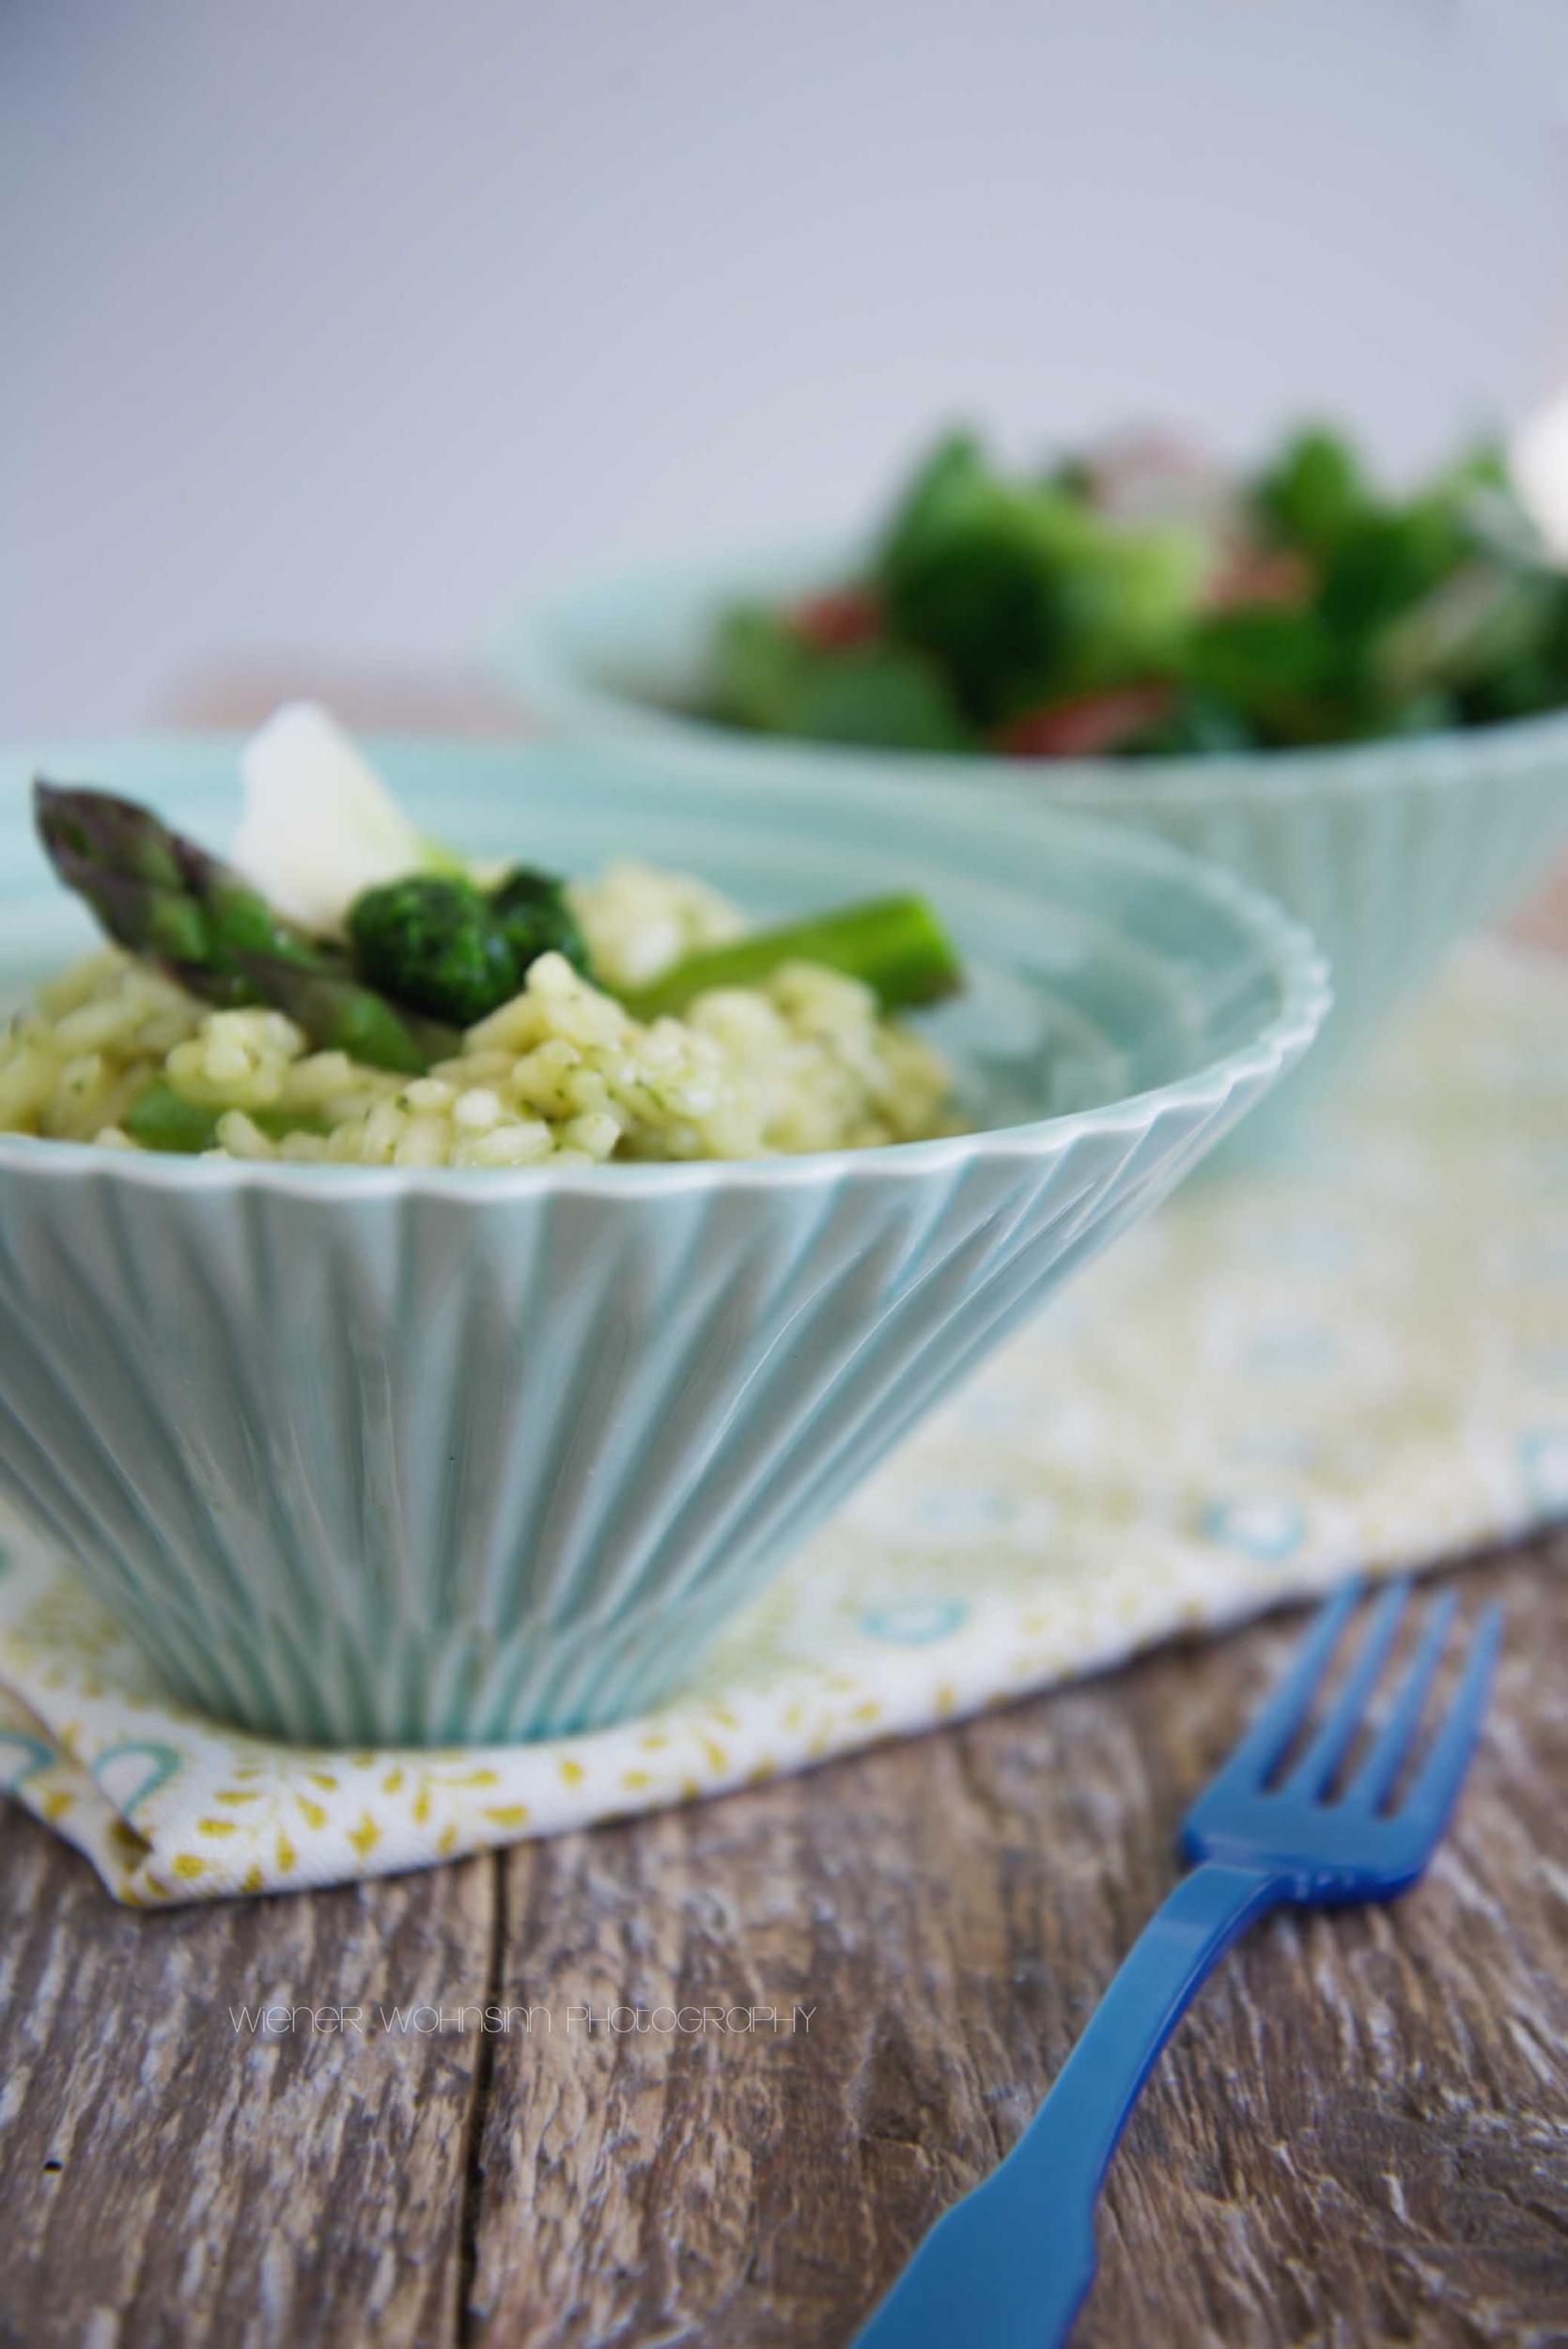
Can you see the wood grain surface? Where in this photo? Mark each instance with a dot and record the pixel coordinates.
(1360, 2134)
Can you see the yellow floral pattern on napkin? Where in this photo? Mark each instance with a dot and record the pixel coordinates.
(1361, 1360)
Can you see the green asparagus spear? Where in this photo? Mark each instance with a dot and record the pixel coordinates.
(161, 895)
(896, 945)
(161, 1119)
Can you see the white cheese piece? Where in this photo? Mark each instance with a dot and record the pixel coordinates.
(318, 824)
(1538, 460)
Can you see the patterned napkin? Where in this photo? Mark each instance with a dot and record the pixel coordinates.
(1362, 1361)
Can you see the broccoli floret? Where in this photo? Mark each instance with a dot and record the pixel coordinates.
(453, 951)
(537, 919)
(972, 576)
(434, 945)
(1314, 493)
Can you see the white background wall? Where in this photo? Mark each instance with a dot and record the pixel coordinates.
(328, 324)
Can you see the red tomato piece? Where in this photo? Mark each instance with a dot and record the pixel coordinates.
(1273, 575)
(841, 618)
(1086, 725)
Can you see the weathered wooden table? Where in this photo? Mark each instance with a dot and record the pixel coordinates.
(1360, 2134)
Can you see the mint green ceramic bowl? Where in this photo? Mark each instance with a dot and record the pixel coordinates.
(376, 1454)
(1388, 853)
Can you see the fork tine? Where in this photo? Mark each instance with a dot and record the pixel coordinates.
(1380, 1768)
(1331, 1744)
(1431, 1798)
(1266, 1737)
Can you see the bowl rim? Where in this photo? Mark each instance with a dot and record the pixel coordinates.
(1285, 947)
(526, 656)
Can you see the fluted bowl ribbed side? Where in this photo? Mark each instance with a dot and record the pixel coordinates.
(1389, 853)
(384, 1455)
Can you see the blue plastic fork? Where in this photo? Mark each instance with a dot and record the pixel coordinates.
(1009, 2266)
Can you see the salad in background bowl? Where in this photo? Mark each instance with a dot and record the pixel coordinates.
(1135, 602)
(436, 1449)
(1354, 699)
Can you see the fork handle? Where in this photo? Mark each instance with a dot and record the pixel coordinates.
(1009, 2265)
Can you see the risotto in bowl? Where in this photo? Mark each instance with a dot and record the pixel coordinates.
(456, 1240)
(562, 1071)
